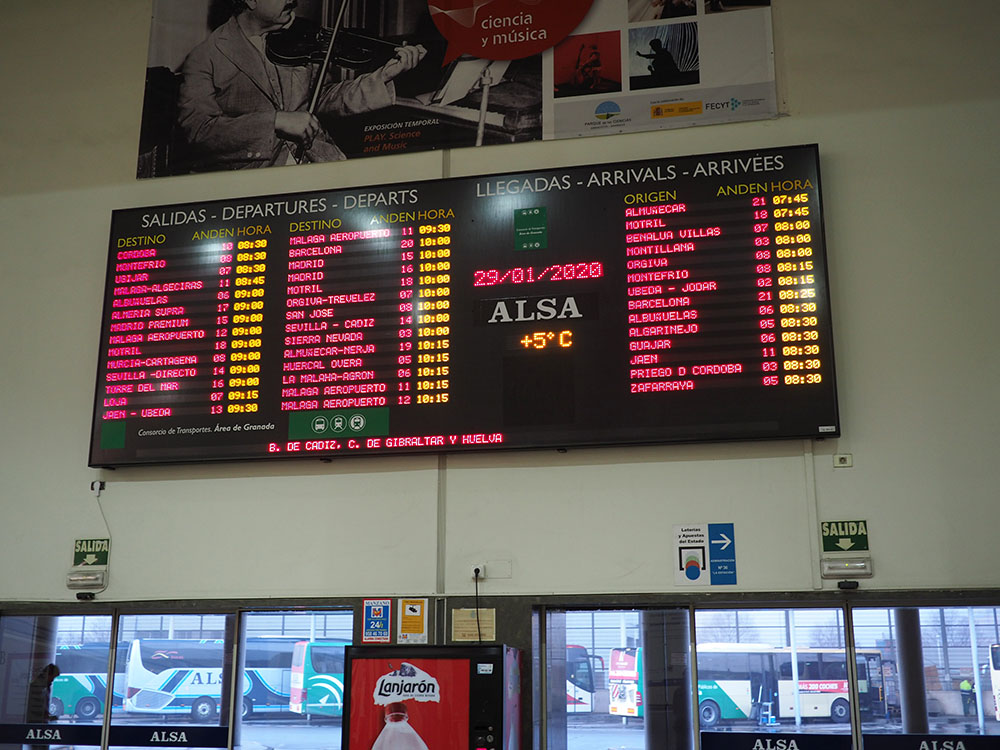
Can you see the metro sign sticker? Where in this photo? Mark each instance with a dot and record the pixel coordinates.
(377, 619)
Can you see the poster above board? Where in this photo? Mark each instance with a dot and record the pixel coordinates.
(220, 96)
(666, 300)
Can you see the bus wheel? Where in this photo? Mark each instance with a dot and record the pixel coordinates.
(840, 711)
(203, 709)
(247, 709)
(88, 708)
(55, 707)
(708, 713)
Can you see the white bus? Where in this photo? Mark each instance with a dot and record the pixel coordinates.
(994, 679)
(743, 681)
(581, 686)
(185, 676)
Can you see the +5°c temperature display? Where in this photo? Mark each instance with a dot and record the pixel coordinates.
(668, 300)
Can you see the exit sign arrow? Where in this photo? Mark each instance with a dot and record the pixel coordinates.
(844, 536)
(91, 552)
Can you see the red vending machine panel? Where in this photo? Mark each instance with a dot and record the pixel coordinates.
(432, 698)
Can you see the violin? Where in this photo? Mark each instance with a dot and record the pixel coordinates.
(305, 42)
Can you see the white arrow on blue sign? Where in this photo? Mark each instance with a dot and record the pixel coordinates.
(722, 554)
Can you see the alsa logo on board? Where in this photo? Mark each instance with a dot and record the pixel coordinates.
(781, 743)
(406, 683)
(533, 308)
(165, 736)
(775, 744)
(207, 678)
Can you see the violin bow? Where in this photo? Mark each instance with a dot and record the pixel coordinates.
(318, 85)
(299, 153)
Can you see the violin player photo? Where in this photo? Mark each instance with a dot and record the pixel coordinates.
(238, 104)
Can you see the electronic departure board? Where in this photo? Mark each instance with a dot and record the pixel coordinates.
(669, 300)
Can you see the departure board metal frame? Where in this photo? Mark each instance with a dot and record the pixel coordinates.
(668, 300)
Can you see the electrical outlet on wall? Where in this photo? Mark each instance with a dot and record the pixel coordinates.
(481, 567)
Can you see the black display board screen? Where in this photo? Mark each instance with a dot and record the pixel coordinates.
(668, 300)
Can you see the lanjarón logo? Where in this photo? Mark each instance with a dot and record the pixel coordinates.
(406, 683)
(607, 110)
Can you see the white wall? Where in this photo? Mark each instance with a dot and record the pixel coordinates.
(902, 98)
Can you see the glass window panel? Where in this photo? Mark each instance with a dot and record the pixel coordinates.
(748, 683)
(53, 680)
(176, 679)
(611, 683)
(293, 678)
(954, 665)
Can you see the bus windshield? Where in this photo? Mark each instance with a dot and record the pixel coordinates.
(580, 682)
(578, 669)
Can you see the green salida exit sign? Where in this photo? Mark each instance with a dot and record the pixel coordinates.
(91, 551)
(844, 536)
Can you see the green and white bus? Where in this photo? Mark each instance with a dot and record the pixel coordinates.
(317, 686)
(744, 681)
(753, 682)
(81, 687)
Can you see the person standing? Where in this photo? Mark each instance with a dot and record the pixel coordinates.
(239, 110)
(40, 696)
(663, 68)
(968, 696)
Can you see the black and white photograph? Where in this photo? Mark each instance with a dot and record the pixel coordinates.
(722, 6)
(654, 10)
(663, 55)
(245, 84)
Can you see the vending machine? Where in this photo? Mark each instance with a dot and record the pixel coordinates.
(432, 698)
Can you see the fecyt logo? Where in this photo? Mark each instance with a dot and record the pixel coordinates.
(405, 683)
(732, 105)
